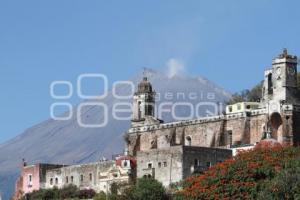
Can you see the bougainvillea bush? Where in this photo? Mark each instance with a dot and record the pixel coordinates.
(252, 174)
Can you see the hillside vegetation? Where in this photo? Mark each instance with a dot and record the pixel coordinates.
(263, 173)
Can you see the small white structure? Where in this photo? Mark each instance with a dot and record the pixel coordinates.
(236, 150)
(242, 107)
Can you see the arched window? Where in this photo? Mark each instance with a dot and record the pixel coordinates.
(91, 177)
(208, 164)
(147, 176)
(188, 141)
(275, 123)
(139, 110)
(51, 181)
(67, 179)
(196, 162)
(81, 177)
(270, 84)
(72, 179)
(125, 163)
(229, 137)
(56, 181)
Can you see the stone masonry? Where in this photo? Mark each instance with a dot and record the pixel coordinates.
(242, 125)
(170, 152)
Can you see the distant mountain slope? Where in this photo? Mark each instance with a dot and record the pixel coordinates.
(66, 142)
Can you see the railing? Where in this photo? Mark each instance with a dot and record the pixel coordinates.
(177, 124)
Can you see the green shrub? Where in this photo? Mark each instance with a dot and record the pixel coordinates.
(144, 189)
(69, 191)
(86, 194)
(149, 189)
(100, 196)
(286, 185)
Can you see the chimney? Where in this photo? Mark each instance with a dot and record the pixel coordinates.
(24, 164)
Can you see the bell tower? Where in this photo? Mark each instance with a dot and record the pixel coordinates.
(281, 100)
(285, 77)
(280, 83)
(143, 103)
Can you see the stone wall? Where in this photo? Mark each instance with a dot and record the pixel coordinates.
(204, 134)
(257, 126)
(173, 164)
(201, 132)
(165, 165)
(199, 159)
(33, 177)
(34, 184)
(97, 176)
(233, 129)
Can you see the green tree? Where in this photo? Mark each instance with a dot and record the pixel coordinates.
(69, 191)
(252, 95)
(235, 99)
(100, 196)
(86, 194)
(149, 189)
(114, 191)
(127, 193)
(255, 93)
(44, 194)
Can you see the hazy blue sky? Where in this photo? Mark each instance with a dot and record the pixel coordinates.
(228, 42)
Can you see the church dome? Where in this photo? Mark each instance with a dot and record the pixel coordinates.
(121, 160)
(144, 86)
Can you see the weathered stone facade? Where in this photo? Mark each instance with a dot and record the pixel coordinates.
(33, 177)
(231, 129)
(216, 131)
(173, 164)
(243, 124)
(97, 176)
(170, 152)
